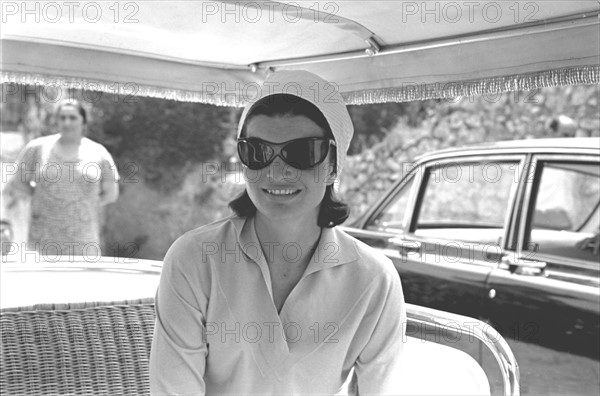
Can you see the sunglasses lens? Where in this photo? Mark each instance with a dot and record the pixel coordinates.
(254, 154)
(300, 153)
(305, 153)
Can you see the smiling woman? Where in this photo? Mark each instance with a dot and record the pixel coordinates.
(275, 299)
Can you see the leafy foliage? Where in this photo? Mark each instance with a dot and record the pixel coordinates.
(159, 137)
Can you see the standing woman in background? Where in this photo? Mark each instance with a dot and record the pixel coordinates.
(69, 178)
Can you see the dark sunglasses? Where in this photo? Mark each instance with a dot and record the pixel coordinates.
(303, 153)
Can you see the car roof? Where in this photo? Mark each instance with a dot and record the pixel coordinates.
(550, 145)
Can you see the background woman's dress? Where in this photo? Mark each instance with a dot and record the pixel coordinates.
(65, 206)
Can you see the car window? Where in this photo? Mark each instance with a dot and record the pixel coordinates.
(471, 198)
(393, 216)
(566, 209)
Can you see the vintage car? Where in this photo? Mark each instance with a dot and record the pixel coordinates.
(218, 52)
(493, 231)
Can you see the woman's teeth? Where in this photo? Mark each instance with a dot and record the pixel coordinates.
(282, 192)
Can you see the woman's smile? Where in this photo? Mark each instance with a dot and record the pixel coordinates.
(281, 194)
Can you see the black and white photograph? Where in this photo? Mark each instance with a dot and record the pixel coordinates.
(163, 234)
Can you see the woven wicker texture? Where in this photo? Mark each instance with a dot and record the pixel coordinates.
(102, 349)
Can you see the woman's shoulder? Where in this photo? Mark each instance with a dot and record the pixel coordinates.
(190, 252)
(216, 232)
(33, 149)
(94, 145)
(42, 141)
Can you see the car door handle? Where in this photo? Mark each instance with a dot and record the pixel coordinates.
(524, 266)
(405, 246)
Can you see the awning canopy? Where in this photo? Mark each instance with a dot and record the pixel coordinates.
(377, 51)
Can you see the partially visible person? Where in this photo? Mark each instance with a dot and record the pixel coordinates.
(6, 236)
(592, 243)
(563, 126)
(69, 178)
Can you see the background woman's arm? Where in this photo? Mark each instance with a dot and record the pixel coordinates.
(20, 175)
(109, 184)
(109, 192)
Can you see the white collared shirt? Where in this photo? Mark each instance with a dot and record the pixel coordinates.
(218, 331)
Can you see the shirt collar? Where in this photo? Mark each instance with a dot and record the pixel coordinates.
(334, 248)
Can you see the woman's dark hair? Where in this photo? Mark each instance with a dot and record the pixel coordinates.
(333, 211)
(74, 103)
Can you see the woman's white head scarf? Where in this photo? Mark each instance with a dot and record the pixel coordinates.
(317, 91)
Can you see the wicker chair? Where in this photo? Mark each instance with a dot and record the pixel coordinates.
(83, 349)
(104, 348)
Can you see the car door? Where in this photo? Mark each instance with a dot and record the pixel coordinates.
(442, 227)
(545, 294)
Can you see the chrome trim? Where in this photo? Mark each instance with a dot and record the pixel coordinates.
(574, 278)
(413, 195)
(567, 157)
(570, 262)
(512, 231)
(470, 265)
(513, 206)
(404, 247)
(482, 331)
(525, 205)
(532, 146)
(361, 232)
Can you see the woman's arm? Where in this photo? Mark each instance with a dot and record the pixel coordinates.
(109, 192)
(179, 349)
(20, 175)
(379, 366)
(109, 184)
